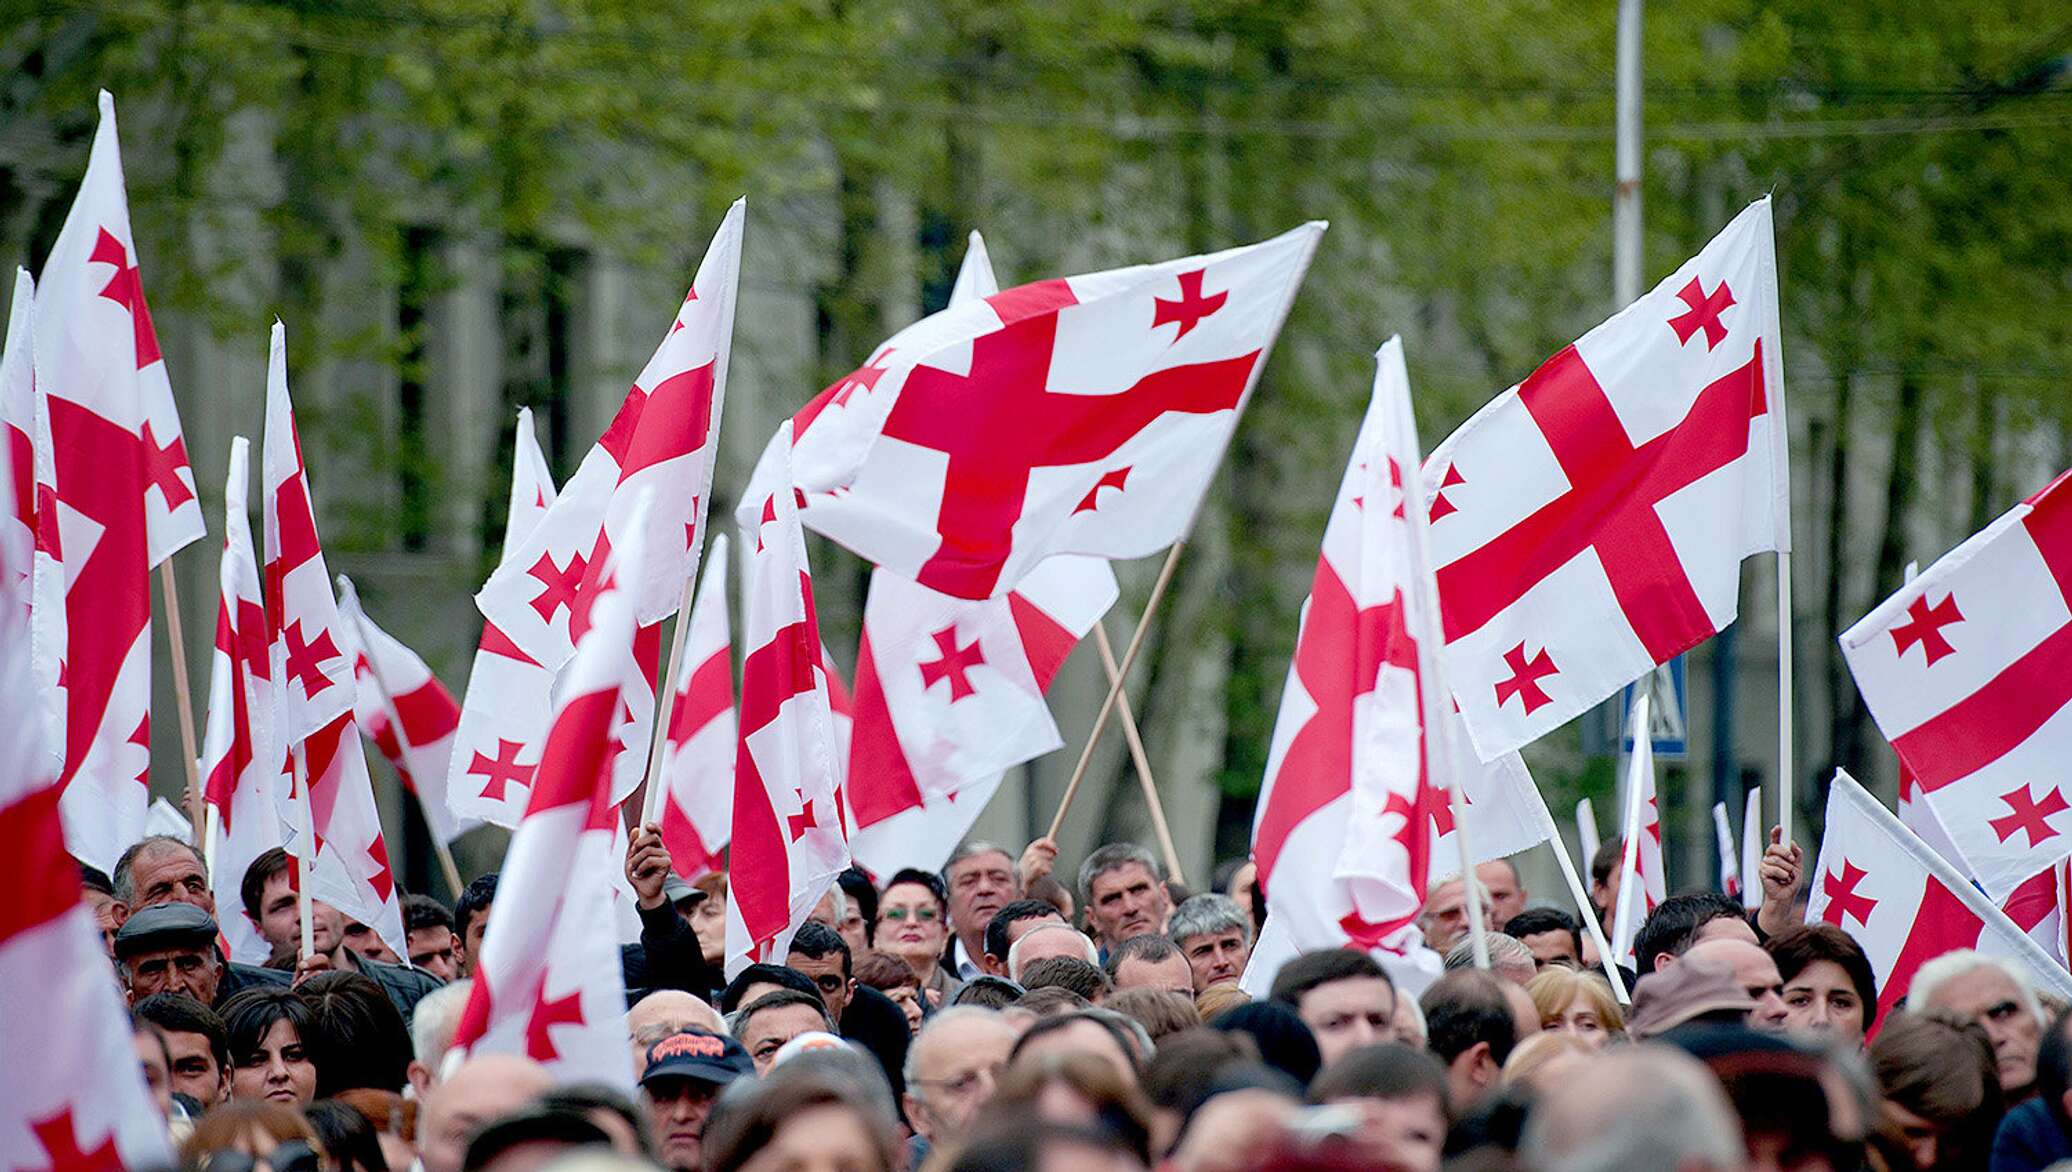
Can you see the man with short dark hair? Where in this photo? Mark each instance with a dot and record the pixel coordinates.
(1215, 936)
(1342, 995)
(1010, 924)
(269, 895)
(765, 1024)
(1149, 962)
(1554, 936)
(1683, 920)
(197, 1045)
(471, 919)
(820, 952)
(1472, 1025)
(1123, 892)
(428, 932)
(980, 879)
(1070, 973)
(680, 1080)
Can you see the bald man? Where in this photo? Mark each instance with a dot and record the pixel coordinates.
(665, 1012)
(485, 1087)
(1754, 971)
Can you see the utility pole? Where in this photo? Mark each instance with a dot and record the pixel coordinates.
(1626, 196)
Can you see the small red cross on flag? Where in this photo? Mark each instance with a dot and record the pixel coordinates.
(404, 709)
(1597, 514)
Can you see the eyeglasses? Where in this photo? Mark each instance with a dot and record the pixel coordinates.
(897, 915)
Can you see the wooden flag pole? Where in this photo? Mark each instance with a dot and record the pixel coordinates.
(1122, 671)
(665, 703)
(183, 696)
(1784, 763)
(1138, 757)
(395, 719)
(308, 844)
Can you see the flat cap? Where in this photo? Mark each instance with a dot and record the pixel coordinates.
(165, 925)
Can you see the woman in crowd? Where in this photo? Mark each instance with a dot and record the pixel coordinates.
(269, 1028)
(1941, 1089)
(802, 1115)
(1829, 988)
(1579, 1003)
(244, 1136)
(356, 1037)
(1079, 1090)
(895, 979)
(913, 925)
(395, 1123)
(709, 919)
(347, 1137)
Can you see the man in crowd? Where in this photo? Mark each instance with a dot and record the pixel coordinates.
(1754, 971)
(1342, 995)
(159, 869)
(169, 948)
(820, 952)
(1507, 894)
(1010, 924)
(980, 879)
(1996, 994)
(665, 1012)
(668, 955)
(1683, 920)
(1643, 1107)
(432, 1029)
(1552, 936)
(1123, 893)
(197, 1046)
(1509, 958)
(2038, 1133)
(950, 1072)
(1444, 920)
(1046, 940)
(271, 900)
(471, 920)
(428, 932)
(485, 1088)
(1149, 962)
(1473, 1021)
(682, 1075)
(1215, 936)
(765, 1024)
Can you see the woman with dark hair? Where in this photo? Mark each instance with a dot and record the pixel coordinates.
(1941, 1089)
(913, 923)
(346, 1136)
(896, 980)
(356, 1035)
(269, 1028)
(244, 1136)
(1829, 986)
(802, 1116)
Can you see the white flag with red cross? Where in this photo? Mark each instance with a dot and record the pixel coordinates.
(1905, 904)
(548, 985)
(1354, 805)
(1643, 881)
(122, 500)
(71, 1095)
(2038, 903)
(664, 438)
(395, 682)
(698, 752)
(242, 779)
(1968, 670)
(1590, 523)
(509, 701)
(1081, 415)
(841, 704)
(1729, 852)
(315, 690)
(17, 429)
(787, 844)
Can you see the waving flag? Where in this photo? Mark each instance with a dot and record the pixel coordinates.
(548, 985)
(1590, 522)
(392, 676)
(1084, 415)
(698, 753)
(1643, 884)
(314, 688)
(121, 501)
(17, 431)
(787, 843)
(243, 782)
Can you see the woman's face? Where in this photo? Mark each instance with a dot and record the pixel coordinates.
(709, 921)
(821, 1138)
(910, 925)
(1580, 1018)
(908, 998)
(278, 1069)
(1821, 999)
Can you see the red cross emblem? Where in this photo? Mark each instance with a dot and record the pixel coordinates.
(1000, 422)
(952, 663)
(1396, 484)
(557, 584)
(126, 288)
(60, 1141)
(1525, 678)
(1925, 627)
(1117, 479)
(1842, 897)
(1364, 933)
(2028, 815)
(798, 824)
(1190, 308)
(539, 1045)
(501, 770)
(864, 377)
(1610, 506)
(383, 881)
(1703, 313)
(162, 468)
(1441, 507)
(142, 739)
(305, 660)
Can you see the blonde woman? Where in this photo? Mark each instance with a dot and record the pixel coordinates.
(1578, 1003)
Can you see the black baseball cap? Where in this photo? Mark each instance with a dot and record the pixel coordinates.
(165, 925)
(697, 1054)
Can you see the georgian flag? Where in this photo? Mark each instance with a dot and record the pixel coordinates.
(396, 681)
(17, 429)
(120, 501)
(697, 813)
(1643, 884)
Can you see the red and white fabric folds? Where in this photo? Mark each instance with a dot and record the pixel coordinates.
(1904, 903)
(787, 843)
(1643, 883)
(242, 753)
(1729, 852)
(17, 432)
(698, 751)
(393, 677)
(121, 501)
(548, 985)
(1590, 522)
(1080, 415)
(71, 1096)
(509, 701)
(314, 688)
(1968, 670)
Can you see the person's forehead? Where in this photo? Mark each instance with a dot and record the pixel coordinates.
(1016, 929)
(1975, 986)
(812, 964)
(993, 860)
(148, 955)
(784, 1018)
(1822, 974)
(164, 857)
(1349, 992)
(1128, 874)
(186, 1040)
(965, 1043)
(1552, 938)
(905, 895)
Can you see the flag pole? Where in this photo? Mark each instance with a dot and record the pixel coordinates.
(1122, 671)
(1471, 887)
(395, 719)
(1629, 863)
(665, 705)
(1138, 757)
(1585, 910)
(183, 696)
(308, 832)
(1784, 739)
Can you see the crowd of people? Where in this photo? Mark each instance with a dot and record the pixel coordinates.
(991, 1017)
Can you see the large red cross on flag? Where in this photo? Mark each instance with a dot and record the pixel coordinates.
(121, 499)
(17, 428)
(1590, 522)
(71, 1096)
(396, 686)
(1080, 415)
(314, 687)
(1354, 802)
(242, 779)
(1968, 670)
(699, 747)
(787, 843)
(548, 985)
(1905, 904)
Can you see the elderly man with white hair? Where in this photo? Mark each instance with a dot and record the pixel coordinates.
(1641, 1107)
(1047, 940)
(1509, 958)
(1997, 994)
(432, 1025)
(950, 1071)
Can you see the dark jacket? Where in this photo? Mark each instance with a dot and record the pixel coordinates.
(667, 957)
(239, 977)
(877, 1023)
(2030, 1139)
(404, 985)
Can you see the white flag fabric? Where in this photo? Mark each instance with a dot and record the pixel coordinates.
(1590, 523)
(698, 753)
(1968, 670)
(121, 501)
(1586, 830)
(242, 753)
(1752, 837)
(548, 985)
(1643, 883)
(314, 688)
(509, 702)
(1729, 860)
(392, 677)
(1903, 903)
(787, 844)
(71, 1096)
(1080, 415)
(17, 433)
